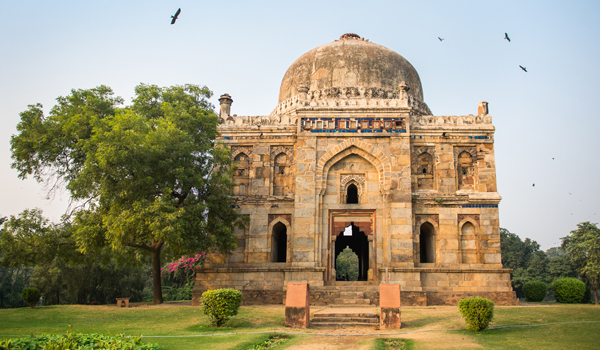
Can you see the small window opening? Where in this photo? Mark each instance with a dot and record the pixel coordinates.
(464, 171)
(352, 194)
(424, 170)
(279, 243)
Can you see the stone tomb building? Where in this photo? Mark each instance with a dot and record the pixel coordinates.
(352, 147)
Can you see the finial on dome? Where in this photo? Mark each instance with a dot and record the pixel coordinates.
(349, 36)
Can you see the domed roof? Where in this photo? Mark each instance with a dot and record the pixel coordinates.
(350, 61)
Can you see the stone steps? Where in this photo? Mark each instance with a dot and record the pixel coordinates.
(352, 301)
(346, 317)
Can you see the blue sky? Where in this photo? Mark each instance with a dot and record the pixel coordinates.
(244, 48)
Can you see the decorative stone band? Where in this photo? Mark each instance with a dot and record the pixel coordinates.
(417, 121)
(352, 97)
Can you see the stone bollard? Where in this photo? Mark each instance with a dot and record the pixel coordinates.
(297, 305)
(389, 304)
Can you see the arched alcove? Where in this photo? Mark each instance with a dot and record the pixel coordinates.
(241, 174)
(424, 171)
(468, 243)
(466, 178)
(279, 243)
(427, 243)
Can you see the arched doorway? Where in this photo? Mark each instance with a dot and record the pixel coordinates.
(279, 243)
(427, 243)
(356, 240)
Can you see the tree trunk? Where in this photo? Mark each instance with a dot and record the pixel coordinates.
(596, 296)
(156, 275)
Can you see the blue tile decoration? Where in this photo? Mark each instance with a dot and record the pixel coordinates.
(479, 206)
(310, 124)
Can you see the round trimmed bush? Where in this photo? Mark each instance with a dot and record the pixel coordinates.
(220, 304)
(477, 312)
(535, 290)
(31, 296)
(568, 290)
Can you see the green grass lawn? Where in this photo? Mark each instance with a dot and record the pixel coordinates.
(178, 320)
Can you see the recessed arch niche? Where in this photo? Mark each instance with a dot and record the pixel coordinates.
(426, 243)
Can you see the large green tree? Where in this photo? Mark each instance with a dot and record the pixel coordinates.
(37, 252)
(146, 178)
(526, 259)
(346, 265)
(583, 248)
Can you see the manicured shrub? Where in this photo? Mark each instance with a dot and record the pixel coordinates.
(535, 290)
(220, 304)
(31, 296)
(568, 290)
(477, 312)
(78, 341)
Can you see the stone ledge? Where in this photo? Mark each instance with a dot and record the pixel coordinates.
(259, 269)
(442, 270)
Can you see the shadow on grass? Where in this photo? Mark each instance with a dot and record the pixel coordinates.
(422, 321)
(394, 344)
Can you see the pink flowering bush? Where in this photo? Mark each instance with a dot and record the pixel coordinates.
(178, 277)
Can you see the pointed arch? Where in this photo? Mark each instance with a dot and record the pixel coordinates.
(469, 242)
(355, 146)
(277, 244)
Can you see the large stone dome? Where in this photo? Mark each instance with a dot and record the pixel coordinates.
(350, 61)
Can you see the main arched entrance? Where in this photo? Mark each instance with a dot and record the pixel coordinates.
(357, 241)
(353, 229)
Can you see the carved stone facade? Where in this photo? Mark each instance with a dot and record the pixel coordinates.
(353, 157)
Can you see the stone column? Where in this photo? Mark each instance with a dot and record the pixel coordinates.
(297, 305)
(303, 90)
(389, 303)
(403, 93)
(225, 102)
(482, 108)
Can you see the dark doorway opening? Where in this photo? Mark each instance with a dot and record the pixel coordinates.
(427, 243)
(352, 194)
(279, 243)
(358, 242)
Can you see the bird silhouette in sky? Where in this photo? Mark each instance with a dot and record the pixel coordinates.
(523, 68)
(175, 16)
(440, 39)
(506, 37)
(533, 185)
(552, 158)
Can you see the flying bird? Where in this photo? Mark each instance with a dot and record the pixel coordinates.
(552, 158)
(506, 37)
(533, 185)
(523, 68)
(440, 39)
(176, 16)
